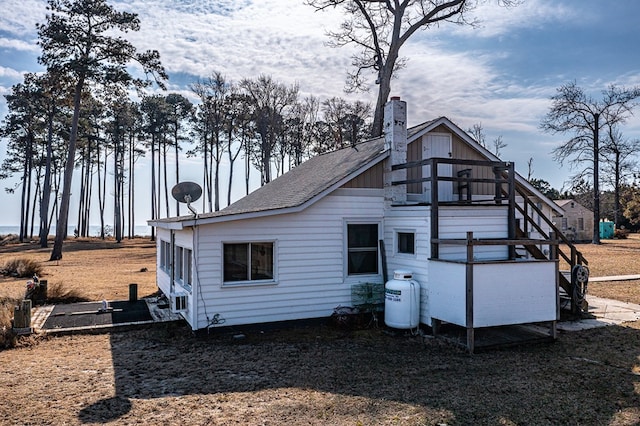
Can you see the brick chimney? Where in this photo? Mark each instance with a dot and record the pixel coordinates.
(395, 140)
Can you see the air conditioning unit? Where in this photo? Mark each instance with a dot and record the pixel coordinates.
(179, 302)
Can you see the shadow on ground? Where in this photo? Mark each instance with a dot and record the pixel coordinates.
(588, 377)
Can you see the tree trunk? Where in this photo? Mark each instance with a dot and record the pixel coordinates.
(46, 188)
(175, 137)
(153, 185)
(596, 181)
(166, 181)
(63, 216)
(383, 96)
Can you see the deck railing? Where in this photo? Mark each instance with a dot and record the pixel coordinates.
(481, 182)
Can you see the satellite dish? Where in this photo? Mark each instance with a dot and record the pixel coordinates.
(187, 192)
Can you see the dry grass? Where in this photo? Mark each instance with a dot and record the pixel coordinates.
(93, 268)
(317, 375)
(613, 257)
(8, 338)
(21, 268)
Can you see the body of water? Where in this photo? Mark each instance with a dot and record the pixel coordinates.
(94, 230)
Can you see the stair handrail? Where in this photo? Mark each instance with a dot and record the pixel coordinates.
(576, 257)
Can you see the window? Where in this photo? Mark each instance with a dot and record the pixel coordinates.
(248, 262)
(580, 224)
(188, 259)
(565, 224)
(406, 242)
(183, 263)
(165, 255)
(362, 248)
(179, 263)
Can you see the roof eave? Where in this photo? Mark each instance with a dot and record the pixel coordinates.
(183, 222)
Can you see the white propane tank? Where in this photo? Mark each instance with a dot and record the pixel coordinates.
(402, 301)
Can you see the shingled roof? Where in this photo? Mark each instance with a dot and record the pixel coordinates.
(307, 180)
(302, 183)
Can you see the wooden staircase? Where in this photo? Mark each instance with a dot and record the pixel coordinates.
(567, 251)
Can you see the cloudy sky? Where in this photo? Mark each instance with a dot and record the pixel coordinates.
(500, 74)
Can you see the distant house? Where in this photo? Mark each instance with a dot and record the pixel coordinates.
(576, 222)
(429, 199)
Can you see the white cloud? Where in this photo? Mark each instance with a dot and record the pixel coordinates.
(495, 20)
(10, 73)
(19, 17)
(19, 45)
(282, 39)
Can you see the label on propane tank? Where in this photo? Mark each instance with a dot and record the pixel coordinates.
(392, 295)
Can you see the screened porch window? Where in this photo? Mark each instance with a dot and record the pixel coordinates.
(165, 256)
(248, 262)
(362, 248)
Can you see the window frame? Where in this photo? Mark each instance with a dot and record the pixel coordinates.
(183, 264)
(179, 263)
(396, 241)
(165, 256)
(346, 250)
(250, 281)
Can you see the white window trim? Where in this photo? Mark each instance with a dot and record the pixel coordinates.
(187, 286)
(165, 256)
(249, 283)
(345, 249)
(397, 231)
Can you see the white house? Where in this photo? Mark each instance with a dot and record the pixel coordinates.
(477, 237)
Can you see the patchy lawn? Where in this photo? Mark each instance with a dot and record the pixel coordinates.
(312, 375)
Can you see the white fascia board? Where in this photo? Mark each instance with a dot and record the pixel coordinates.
(175, 226)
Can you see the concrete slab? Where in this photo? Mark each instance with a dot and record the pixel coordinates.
(614, 278)
(89, 315)
(606, 312)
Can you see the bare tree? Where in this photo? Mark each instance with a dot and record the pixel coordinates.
(573, 111)
(498, 144)
(530, 168)
(380, 28)
(270, 101)
(618, 164)
(477, 133)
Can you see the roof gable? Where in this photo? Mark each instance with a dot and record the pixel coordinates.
(316, 177)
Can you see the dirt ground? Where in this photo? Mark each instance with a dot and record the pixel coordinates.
(312, 375)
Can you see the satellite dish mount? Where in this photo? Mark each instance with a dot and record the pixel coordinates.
(187, 192)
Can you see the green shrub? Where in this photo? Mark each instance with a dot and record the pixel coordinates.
(21, 268)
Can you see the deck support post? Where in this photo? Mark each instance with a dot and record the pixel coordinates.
(469, 293)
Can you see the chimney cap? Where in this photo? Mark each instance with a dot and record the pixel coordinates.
(395, 98)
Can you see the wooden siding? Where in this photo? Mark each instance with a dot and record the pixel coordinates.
(503, 294)
(370, 178)
(460, 150)
(410, 219)
(484, 222)
(309, 264)
(455, 222)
